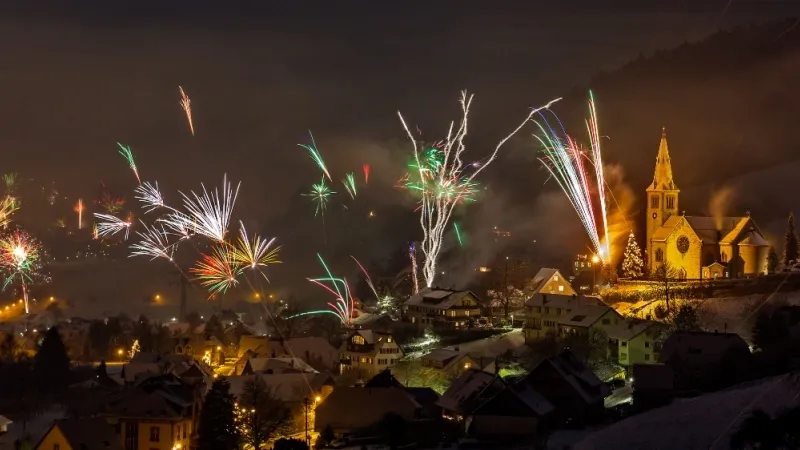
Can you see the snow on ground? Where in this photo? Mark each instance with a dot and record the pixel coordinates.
(705, 422)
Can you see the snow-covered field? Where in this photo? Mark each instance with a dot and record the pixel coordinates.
(705, 422)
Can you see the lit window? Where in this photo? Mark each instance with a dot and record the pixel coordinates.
(659, 255)
(555, 277)
(560, 288)
(358, 340)
(389, 339)
(155, 434)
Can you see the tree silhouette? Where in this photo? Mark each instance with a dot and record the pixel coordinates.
(791, 246)
(686, 319)
(51, 364)
(772, 261)
(217, 427)
(264, 416)
(665, 274)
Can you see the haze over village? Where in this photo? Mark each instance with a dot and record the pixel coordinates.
(368, 226)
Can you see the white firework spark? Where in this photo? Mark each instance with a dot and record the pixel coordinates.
(154, 243)
(111, 225)
(208, 214)
(149, 194)
(436, 209)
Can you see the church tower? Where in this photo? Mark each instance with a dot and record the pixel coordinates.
(662, 195)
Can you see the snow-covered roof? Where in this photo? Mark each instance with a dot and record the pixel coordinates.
(534, 400)
(441, 355)
(584, 315)
(289, 387)
(577, 375)
(438, 298)
(311, 349)
(629, 329)
(701, 347)
(754, 238)
(466, 390)
(279, 365)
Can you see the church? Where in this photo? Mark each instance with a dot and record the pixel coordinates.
(698, 247)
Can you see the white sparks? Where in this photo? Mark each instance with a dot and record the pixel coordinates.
(208, 214)
(150, 196)
(154, 243)
(111, 225)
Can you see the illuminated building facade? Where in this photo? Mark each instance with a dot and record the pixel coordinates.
(697, 247)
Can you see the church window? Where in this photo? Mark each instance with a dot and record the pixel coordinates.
(683, 244)
(723, 257)
(670, 202)
(654, 203)
(659, 255)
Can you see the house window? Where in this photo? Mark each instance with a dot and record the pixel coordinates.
(389, 339)
(624, 343)
(723, 257)
(654, 203)
(647, 356)
(358, 340)
(560, 288)
(558, 311)
(623, 355)
(155, 434)
(670, 202)
(555, 277)
(646, 344)
(363, 359)
(56, 447)
(659, 255)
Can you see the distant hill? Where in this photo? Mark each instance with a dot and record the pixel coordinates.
(730, 105)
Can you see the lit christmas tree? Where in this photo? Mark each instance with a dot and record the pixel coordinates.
(632, 263)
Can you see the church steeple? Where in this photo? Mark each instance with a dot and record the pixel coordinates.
(662, 178)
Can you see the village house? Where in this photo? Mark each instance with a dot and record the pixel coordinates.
(349, 409)
(551, 299)
(636, 342)
(368, 352)
(80, 434)
(442, 308)
(276, 365)
(585, 317)
(706, 360)
(574, 391)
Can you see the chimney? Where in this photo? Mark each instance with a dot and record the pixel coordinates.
(544, 298)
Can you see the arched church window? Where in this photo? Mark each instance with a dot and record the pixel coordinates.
(670, 202)
(723, 257)
(654, 203)
(659, 255)
(683, 244)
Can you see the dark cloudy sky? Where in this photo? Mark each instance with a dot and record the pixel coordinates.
(74, 80)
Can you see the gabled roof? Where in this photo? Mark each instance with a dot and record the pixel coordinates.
(438, 298)
(586, 315)
(562, 301)
(140, 404)
(534, 400)
(279, 365)
(583, 381)
(443, 355)
(470, 390)
(357, 407)
(701, 346)
(663, 232)
(631, 328)
(87, 434)
(288, 387)
(547, 281)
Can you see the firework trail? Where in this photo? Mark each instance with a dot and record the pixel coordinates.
(8, 205)
(316, 156)
(11, 182)
(208, 214)
(368, 279)
(112, 225)
(458, 234)
(342, 305)
(19, 257)
(186, 104)
(365, 167)
(110, 203)
(255, 252)
(412, 254)
(128, 154)
(218, 271)
(95, 231)
(79, 209)
(570, 165)
(442, 180)
(320, 194)
(349, 183)
(154, 243)
(150, 196)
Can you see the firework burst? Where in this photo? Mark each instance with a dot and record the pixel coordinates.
(186, 104)
(208, 214)
(218, 271)
(579, 173)
(19, 258)
(255, 252)
(150, 196)
(112, 225)
(442, 180)
(154, 243)
(8, 205)
(128, 154)
(320, 194)
(342, 305)
(316, 156)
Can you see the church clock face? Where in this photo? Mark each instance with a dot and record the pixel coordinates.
(655, 215)
(682, 244)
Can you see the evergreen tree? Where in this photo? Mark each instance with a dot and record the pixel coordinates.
(772, 261)
(632, 262)
(686, 319)
(217, 425)
(101, 371)
(51, 364)
(791, 246)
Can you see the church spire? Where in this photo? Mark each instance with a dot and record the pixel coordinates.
(662, 179)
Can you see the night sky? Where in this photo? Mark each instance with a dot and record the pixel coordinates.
(74, 81)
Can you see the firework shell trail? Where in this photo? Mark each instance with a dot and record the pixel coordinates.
(458, 234)
(342, 305)
(79, 209)
(111, 225)
(126, 152)
(316, 156)
(365, 168)
(208, 214)
(150, 196)
(218, 271)
(412, 255)
(442, 180)
(367, 278)
(579, 174)
(349, 183)
(8, 206)
(186, 105)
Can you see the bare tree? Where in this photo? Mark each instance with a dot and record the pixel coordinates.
(263, 415)
(507, 283)
(665, 274)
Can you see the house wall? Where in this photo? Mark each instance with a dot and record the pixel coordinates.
(543, 320)
(754, 259)
(641, 349)
(52, 438)
(502, 426)
(169, 434)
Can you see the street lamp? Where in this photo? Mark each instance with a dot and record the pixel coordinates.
(595, 260)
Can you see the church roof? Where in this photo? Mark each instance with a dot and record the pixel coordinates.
(663, 232)
(718, 230)
(662, 178)
(755, 239)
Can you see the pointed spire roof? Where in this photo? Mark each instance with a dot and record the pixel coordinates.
(662, 178)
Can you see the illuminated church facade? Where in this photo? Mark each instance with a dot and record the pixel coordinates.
(696, 247)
